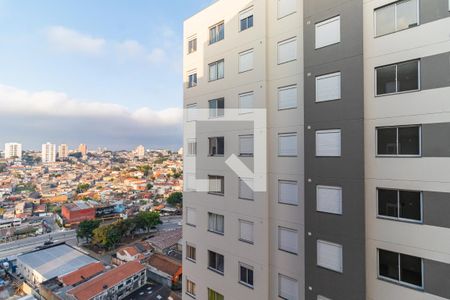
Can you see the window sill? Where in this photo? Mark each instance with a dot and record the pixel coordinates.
(245, 241)
(246, 285)
(279, 155)
(329, 45)
(285, 62)
(287, 108)
(328, 100)
(403, 220)
(215, 271)
(245, 71)
(287, 15)
(192, 225)
(398, 155)
(245, 155)
(400, 283)
(396, 31)
(331, 270)
(216, 232)
(286, 251)
(190, 295)
(212, 80)
(285, 203)
(246, 199)
(397, 93)
(216, 155)
(191, 260)
(216, 194)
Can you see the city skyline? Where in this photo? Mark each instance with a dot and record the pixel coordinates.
(60, 97)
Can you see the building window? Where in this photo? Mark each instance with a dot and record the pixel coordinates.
(328, 143)
(329, 256)
(216, 70)
(287, 97)
(288, 240)
(400, 268)
(216, 184)
(246, 103)
(399, 141)
(246, 188)
(191, 253)
(288, 192)
(396, 16)
(286, 7)
(192, 79)
(328, 87)
(190, 288)
(329, 199)
(246, 19)
(287, 288)
(245, 275)
(216, 33)
(216, 108)
(191, 112)
(328, 32)
(246, 231)
(246, 61)
(192, 45)
(287, 144)
(191, 147)
(401, 205)
(189, 181)
(287, 50)
(397, 78)
(216, 223)
(216, 146)
(215, 261)
(213, 295)
(191, 216)
(246, 145)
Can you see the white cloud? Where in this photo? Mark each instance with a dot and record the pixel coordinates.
(131, 48)
(73, 41)
(157, 56)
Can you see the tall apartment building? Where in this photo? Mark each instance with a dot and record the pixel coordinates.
(48, 153)
(140, 151)
(83, 149)
(356, 95)
(13, 150)
(63, 151)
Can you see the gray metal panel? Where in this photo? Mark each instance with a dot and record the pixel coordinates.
(436, 209)
(436, 278)
(346, 171)
(436, 140)
(432, 10)
(435, 71)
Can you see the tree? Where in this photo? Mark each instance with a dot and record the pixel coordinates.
(86, 229)
(147, 219)
(82, 187)
(107, 236)
(175, 199)
(149, 186)
(145, 169)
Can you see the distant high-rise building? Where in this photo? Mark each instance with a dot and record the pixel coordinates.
(13, 150)
(83, 149)
(63, 151)
(180, 151)
(140, 151)
(48, 153)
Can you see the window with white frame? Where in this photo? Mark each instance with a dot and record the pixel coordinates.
(216, 146)
(191, 216)
(398, 78)
(216, 223)
(246, 145)
(246, 275)
(287, 97)
(246, 231)
(246, 19)
(192, 147)
(288, 240)
(246, 102)
(191, 252)
(189, 181)
(400, 268)
(328, 32)
(287, 50)
(216, 70)
(396, 16)
(329, 199)
(329, 256)
(215, 261)
(400, 204)
(328, 142)
(190, 288)
(288, 192)
(192, 44)
(287, 144)
(328, 87)
(246, 61)
(246, 188)
(191, 112)
(287, 288)
(216, 33)
(286, 7)
(216, 108)
(216, 184)
(192, 78)
(399, 141)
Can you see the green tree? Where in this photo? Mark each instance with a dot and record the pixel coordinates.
(83, 187)
(149, 186)
(145, 169)
(175, 199)
(107, 236)
(86, 229)
(147, 219)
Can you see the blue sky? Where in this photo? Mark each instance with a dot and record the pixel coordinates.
(103, 72)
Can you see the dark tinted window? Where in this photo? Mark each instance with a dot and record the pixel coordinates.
(411, 269)
(409, 140)
(388, 264)
(410, 206)
(387, 141)
(388, 203)
(408, 76)
(386, 82)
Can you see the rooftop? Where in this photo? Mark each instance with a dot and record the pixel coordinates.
(164, 264)
(166, 239)
(83, 273)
